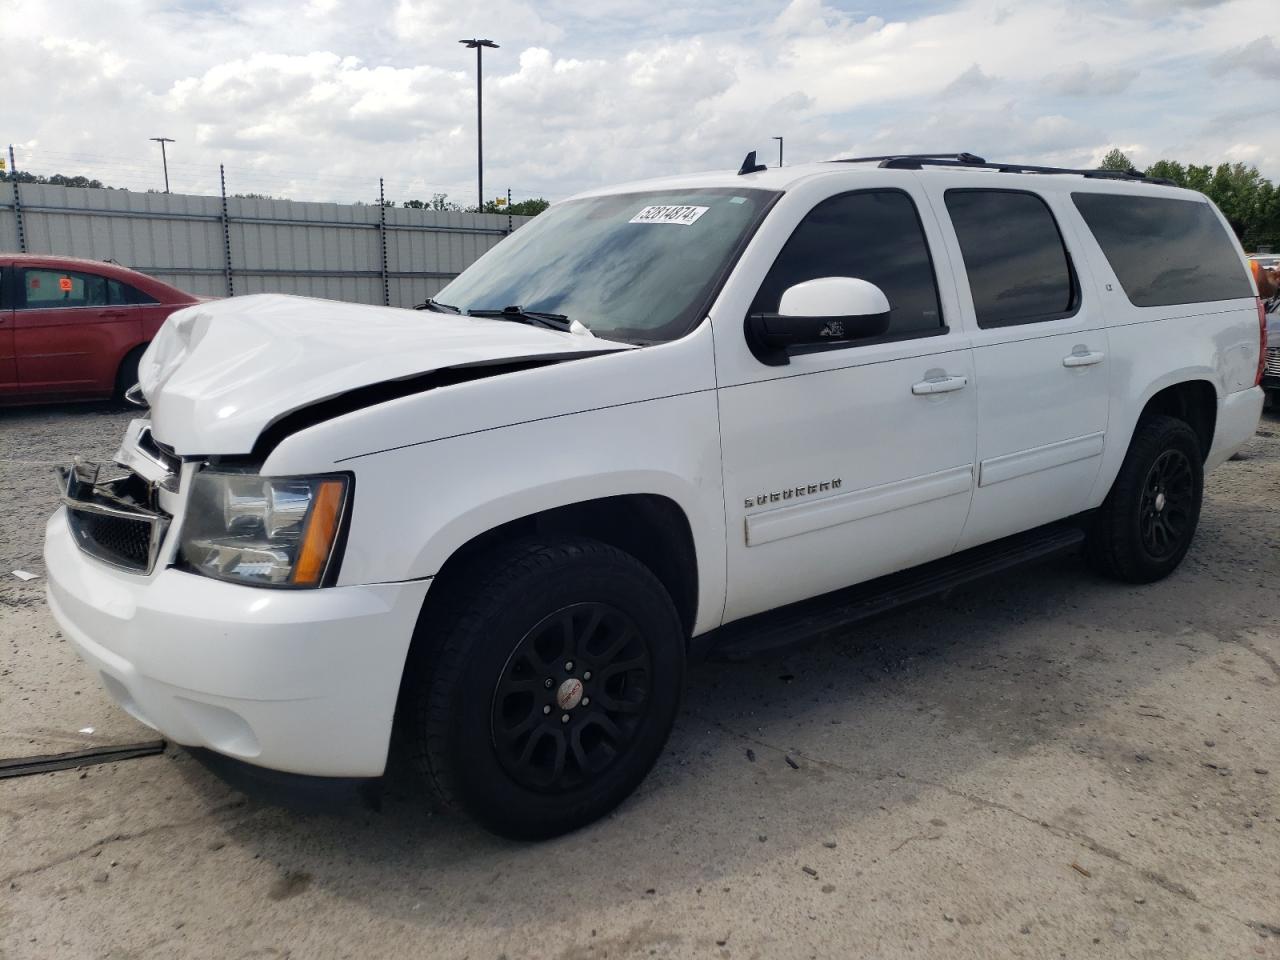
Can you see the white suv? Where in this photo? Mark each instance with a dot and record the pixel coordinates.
(709, 413)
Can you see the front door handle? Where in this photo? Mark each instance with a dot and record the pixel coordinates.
(114, 314)
(939, 385)
(1082, 358)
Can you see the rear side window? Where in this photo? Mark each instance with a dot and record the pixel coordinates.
(136, 296)
(62, 288)
(1018, 267)
(1165, 251)
(873, 235)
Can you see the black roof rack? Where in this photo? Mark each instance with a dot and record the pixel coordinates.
(916, 161)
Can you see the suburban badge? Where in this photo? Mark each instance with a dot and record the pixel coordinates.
(791, 493)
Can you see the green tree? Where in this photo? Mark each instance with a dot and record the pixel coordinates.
(57, 179)
(438, 201)
(1116, 160)
(524, 208)
(1168, 170)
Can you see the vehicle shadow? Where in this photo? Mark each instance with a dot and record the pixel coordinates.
(802, 747)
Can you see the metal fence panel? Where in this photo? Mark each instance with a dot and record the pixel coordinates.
(310, 249)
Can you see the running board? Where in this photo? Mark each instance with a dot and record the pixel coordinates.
(811, 619)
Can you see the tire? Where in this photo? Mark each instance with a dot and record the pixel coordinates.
(520, 636)
(1145, 526)
(127, 375)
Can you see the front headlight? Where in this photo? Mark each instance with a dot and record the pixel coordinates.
(270, 531)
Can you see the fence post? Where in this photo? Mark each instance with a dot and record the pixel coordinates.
(17, 203)
(226, 233)
(382, 236)
(509, 228)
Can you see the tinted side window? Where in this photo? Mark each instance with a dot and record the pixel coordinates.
(5, 295)
(61, 288)
(1163, 250)
(1018, 268)
(873, 235)
(134, 295)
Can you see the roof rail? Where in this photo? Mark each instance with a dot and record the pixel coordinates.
(917, 161)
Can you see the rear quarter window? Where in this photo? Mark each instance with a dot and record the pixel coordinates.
(1163, 250)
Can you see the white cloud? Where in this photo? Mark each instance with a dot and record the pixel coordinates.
(970, 82)
(1082, 80)
(1260, 56)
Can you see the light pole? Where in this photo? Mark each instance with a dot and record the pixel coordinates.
(163, 159)
(779, 139)
(478, 46)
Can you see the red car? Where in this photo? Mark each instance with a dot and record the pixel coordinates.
(74, 329)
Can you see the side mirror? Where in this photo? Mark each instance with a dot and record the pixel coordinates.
(827, 310)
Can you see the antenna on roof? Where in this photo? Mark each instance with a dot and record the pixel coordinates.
(749, 165)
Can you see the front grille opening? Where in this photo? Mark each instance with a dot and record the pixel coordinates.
(119, 541)
(1272, 367)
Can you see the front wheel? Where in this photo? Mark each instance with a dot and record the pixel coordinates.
(127, 374)
(1145, 526)
(549, 687)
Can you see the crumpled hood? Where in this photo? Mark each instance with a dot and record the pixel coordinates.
(218, 373)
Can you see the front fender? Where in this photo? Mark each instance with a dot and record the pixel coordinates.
(416, 506)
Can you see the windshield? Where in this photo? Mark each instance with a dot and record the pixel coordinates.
(637, 267)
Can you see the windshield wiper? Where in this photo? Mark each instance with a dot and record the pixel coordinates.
(552, 321)
(437, 307)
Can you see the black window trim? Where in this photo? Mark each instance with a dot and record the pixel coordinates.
(1077, 293)
(940, 331)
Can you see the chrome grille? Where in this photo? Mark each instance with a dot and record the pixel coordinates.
(119, 541)
(1272, 367)
(116, 520)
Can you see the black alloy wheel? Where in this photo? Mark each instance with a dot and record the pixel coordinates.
(1146, 524)
(542, 684)
(1167, 504)
(571, 697)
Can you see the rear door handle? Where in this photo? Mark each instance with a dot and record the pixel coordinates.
(939, 385)
(113, 314)
(1083, 359)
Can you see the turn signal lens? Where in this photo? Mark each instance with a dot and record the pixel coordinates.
(322, 530)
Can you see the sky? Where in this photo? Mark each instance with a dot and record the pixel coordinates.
(317, 99)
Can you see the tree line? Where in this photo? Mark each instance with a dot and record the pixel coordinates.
(441, 201)
(58, 180)
(1249, 201)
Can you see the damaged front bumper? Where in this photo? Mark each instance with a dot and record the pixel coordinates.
(298, 681)
(301, 681)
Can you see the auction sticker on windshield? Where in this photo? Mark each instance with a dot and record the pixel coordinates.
(669, 214)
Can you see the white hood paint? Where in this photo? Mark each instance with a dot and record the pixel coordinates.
(218, 373)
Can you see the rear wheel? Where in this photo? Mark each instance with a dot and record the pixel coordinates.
(540, 696)
(1145, 526)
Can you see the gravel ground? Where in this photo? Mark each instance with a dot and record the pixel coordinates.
(1047, 765)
